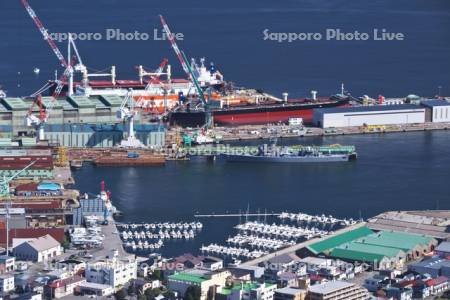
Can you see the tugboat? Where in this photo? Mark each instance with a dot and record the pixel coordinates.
(276, 154)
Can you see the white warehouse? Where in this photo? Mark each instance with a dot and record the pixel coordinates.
(437, 110)
(368, 115)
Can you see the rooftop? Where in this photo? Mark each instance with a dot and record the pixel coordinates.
(188, 277)
(398, 240)
(329, 287)
(247, 286)
(435, 102)
(290, 291)
(444, 247)
(43, 243)
(356, 109)
(339, 239)
(81, 101)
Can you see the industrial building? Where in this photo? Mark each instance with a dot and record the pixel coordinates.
(368, 115)
(432, 223)
(437, 110)
(434, 266)
(384, 249)
(77, 121)
(38, 250)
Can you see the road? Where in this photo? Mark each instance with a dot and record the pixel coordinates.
(293, 249)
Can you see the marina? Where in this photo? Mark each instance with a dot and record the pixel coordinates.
(256, 239)
(146, 238)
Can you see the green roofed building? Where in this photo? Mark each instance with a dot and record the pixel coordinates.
(383, 257)
(384, 249)
(326, 245)
(207, 281)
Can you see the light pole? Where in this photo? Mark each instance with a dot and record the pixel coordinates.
(439, 91)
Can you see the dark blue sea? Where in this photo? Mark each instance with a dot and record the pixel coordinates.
(393, 172)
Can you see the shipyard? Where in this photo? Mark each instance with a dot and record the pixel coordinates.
(133, 167)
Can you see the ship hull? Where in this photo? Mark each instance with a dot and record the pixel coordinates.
(257, 115)
(284, 159)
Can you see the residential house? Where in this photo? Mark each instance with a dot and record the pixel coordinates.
(6, 283)
(63, 287)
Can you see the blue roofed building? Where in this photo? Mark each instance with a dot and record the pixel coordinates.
(437, 110)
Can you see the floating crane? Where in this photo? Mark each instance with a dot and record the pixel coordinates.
(189, 72)
(127, 113)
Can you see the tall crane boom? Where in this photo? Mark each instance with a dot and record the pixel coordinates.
(171, 38)
(44, 32)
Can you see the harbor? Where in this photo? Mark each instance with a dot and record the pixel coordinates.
(207, 151)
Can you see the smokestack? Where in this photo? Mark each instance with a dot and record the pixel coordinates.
(380, 99)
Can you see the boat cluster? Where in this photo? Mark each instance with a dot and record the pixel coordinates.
(320, 219)
(147, 237)
(281, 231)
(233, 252)
(254, 241)
(165, 225)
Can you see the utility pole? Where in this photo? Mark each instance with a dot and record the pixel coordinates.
(7, 207)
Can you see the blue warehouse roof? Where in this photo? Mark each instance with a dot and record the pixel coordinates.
(433, 103)
(355, 109)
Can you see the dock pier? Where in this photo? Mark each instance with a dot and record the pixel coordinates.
(237, 215)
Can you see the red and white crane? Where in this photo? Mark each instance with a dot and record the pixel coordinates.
(38, 121)
(68, 68)
(154, 76)
(171, 38)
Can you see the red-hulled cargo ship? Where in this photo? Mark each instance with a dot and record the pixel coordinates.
(258, 113)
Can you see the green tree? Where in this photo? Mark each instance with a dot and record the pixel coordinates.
(121, 294)
(193, 293)
(156, 274)
(169, 294)
(152, 293)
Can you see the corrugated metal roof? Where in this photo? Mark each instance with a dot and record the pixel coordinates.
(112, 100)
(355, 109)
(398, 240)
(356, 255)
(81, 101)
(433, 103)
(340, 239)
(15, 104)
(370, 249)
